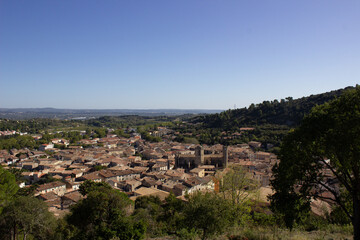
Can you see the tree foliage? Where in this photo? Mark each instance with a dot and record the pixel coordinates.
(208, 213)
(321, 159)
(89, 186)
(105, 214)
(18, 142)
(286, 112)
(236, 185)
(26, 216)
(8, 187)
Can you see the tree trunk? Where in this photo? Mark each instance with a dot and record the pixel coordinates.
(204, 235)
(14, 233)
(356, 218)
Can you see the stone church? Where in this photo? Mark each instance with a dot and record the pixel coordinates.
(212, 157)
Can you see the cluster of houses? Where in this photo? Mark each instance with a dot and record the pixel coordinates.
(132, 165)
(11, 132)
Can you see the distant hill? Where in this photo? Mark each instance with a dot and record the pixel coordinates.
(284, 112)
(54, 113)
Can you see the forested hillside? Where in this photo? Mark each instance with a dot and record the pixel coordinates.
(287, 111)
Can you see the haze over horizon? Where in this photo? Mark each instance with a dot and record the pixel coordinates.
(174, 54)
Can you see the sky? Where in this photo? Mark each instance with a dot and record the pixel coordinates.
(185, 54)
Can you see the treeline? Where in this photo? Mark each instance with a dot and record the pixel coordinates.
(128, 121)
(18, 142)
(26, 141)
(35, 125)
(40, 125)
(284, 112)
(271, 121)
(267, 134)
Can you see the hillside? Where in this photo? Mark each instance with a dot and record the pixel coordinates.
(284, 112)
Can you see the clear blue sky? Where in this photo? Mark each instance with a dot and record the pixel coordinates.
(186, 54)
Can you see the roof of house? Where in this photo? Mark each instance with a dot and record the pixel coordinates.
(48, 196)
(143, 191)
(74, 196)
(50, 185)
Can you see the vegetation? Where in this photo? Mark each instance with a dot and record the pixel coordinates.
(18, 142)
(105, 213)
(26, 216)
(271, 121)
(122, 126)
(328, 138)
(284, 112)
(209, 213)
(236, 185)
(90, 186)
(8, 188)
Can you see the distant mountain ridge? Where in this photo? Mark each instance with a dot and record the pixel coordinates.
(287, 111)
(27, 113)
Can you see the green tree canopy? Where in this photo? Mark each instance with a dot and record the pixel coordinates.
(26, 216)
(236, 185)
(208, 213)
(321, 159)
(89, 186)
(8, 187)
(105, 214)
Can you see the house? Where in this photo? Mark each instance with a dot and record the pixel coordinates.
(94, 176)
(255, 144)
(107, 175)
(150, 182)
(56, 187)
(142, 170)
(118, 162)
(168, 186)
(115, 183)
(262, 178)
(179, 190)
(51, 199)
(208, 169)
(263, 156)
(60, 141)
(32, 177)
(50, 196)
(247, 165)
(30, 165)
(103, 162)
(44, 147)
(70, 198)
(159, 166)
(131, 185)
(177, 173)
(195, 184)
(200, 172)
(143, 191)
(72, 186)
(126, 174)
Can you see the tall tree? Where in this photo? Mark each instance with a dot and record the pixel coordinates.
(104, 214)
(236, 185)
(8, 187)
(323, 151)
(208, 213)
(89, 186)
(26, 216)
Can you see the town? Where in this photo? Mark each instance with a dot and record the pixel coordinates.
(132, 165)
